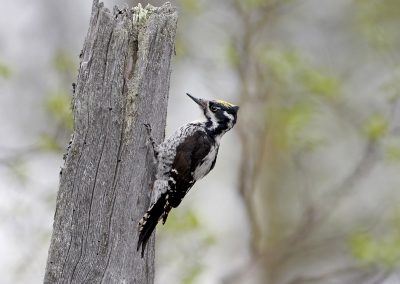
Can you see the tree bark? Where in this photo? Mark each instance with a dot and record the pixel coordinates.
(106, 181)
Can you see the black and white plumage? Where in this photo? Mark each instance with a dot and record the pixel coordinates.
(184, 158)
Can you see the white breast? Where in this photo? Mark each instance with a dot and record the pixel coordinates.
(205, 167)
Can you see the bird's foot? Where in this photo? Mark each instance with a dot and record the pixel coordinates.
(151, 140)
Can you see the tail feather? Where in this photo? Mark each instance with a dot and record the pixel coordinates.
(149, 221)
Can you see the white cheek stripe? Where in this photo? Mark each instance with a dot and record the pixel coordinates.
(230, 116)
(214, 121)
(231, 119)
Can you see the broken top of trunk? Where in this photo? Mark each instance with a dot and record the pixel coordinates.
(106, 181)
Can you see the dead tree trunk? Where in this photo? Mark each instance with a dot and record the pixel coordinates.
(106, 182)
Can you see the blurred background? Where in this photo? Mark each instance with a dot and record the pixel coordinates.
(306, 188)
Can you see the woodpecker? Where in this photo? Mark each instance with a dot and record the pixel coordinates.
(184, 158)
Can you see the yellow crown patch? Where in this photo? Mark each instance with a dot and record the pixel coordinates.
(224, 103)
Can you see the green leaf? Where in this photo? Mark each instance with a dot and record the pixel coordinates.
(383, 251)
(190, 6)
(393, 153)
(375, 127)
(396, 220)
(363, 247)
(283, 65)
(378, 21)
(5, 71)
(18, 168)
(183, 222)
(319, 84)
(181, 47)
(257, 5)
(210, 240)
(49, 143)
(59, 107)
(392, 86)
(232, 55)
(290, 69)
(64, 63)
(291, 123)
(191, 276)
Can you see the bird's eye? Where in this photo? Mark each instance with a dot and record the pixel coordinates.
(213, 108)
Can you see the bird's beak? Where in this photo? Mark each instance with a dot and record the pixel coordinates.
(202, 103)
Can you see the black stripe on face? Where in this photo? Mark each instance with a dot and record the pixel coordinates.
(226, 116)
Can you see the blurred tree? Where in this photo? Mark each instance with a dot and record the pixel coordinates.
(288, 108)
(377, 22)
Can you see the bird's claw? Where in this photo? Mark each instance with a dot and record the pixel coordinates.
(151, 140)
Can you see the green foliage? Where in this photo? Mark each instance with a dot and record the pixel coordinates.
(251, 4)
(231, 54)
(287, 68)
(281, 64)
(192, 274)
(18, 169)
(393, 153)
(181, 47)
(392, 86)
(319, 84)
(378, 22)
(290, 124)
(64, 63)
(363, 247)
(375, 127)
(295, 120)
(49, 143)
(190, 221)
(383, 252)
(5, 71)
(296, 89)
(58, 105)
(185, 227)
(392, 149)
(258, 5)
(190, 6)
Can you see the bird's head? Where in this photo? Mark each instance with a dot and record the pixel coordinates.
(221, 116)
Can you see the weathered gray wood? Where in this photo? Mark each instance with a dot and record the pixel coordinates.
(105, 185)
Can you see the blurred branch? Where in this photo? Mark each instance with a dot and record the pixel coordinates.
(253, 156)
(368, 160)
(248, 175)
(250, 167)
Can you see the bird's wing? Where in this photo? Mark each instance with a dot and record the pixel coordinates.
(189, 155)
